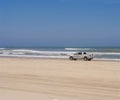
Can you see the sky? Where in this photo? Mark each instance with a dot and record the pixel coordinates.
(72, 23)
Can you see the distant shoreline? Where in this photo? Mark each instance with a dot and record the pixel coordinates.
(67, 59)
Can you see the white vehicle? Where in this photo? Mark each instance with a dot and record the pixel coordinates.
(81, 55)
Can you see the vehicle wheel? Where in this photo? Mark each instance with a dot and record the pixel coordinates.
(89, 59)
(75, 59)
(85, 58)
(71, 58)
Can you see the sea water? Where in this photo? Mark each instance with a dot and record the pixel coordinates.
(102, 53)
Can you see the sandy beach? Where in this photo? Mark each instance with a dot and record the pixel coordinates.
(50, 79)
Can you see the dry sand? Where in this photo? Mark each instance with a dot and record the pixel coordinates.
(44, 79)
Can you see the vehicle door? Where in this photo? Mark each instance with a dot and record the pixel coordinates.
(79, 55)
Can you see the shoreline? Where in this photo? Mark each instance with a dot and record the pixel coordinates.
(100, 54)
(42, 58)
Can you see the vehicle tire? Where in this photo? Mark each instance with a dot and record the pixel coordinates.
(71, 58)
(89, 59)
(75, 59)
(85, 59)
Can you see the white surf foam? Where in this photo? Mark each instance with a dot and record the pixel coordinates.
(41, 52)
(75, 49)
(32, 56)
(105, 53)
(2, 48)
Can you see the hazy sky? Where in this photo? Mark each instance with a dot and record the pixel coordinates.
(59, 23)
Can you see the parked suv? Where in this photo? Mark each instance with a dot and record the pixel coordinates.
(81, 55)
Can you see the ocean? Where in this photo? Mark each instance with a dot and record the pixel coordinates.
(102, 53)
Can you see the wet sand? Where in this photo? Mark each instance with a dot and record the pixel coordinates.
(50, 79)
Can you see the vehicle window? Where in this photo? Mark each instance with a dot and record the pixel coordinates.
(79, 53)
